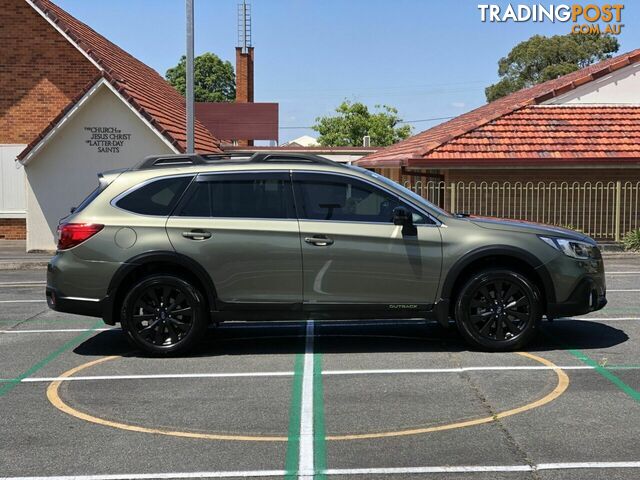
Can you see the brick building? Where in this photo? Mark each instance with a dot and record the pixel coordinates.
(72, 104)
(584, 126)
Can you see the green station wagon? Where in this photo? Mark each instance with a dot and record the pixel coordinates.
(181, 242)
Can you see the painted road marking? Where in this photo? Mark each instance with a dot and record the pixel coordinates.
(349, 471)
(305, 464)
(56, 330)
(618, 291)
(294, 439)
(8, 386)
(405, 371)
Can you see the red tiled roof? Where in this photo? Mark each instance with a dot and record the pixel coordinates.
(554, 132)
(156, 100)
(419, 147)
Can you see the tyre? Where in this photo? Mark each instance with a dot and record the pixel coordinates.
(163, 315)
(498, 310)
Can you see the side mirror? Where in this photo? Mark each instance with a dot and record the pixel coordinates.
(402, 216)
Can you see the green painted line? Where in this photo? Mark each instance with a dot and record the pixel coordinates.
(11, 384)
(295, 409)
(319, 443)
(606, 373)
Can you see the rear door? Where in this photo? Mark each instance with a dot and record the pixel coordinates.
(354, 254)
(241, 228)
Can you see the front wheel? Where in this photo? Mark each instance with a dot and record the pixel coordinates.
(163, 315)
(498, 310)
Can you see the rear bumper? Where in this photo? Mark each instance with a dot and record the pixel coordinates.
(588, 296)
(75, 305)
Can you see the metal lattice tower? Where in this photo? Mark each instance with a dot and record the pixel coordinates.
(244, 26)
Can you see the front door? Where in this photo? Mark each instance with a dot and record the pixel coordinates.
(242, 228)
(354, 254)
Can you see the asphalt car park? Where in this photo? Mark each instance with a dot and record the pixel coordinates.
(373, 399)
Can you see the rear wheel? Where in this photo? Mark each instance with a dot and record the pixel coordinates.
(163, 315)
(498, 310)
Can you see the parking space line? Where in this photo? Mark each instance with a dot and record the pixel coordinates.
(10, 385)
(306, 462)
(57, 330)
(405, 371)
(624, 290)
(606, 373)
(350, 471)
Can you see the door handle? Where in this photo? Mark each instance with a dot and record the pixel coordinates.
(319, 241)
(196, 235)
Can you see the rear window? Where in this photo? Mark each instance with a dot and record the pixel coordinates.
(155, 198)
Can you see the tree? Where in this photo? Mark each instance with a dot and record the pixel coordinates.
(544, 58)
(213, 79)
(354, 120)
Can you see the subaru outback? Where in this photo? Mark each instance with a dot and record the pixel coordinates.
(181, 242)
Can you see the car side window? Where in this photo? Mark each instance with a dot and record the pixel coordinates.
(256, 195)
(155, 198)
(339, 198)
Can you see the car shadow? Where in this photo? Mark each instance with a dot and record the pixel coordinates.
(339, 337)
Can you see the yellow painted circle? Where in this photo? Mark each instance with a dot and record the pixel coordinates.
(54, 397)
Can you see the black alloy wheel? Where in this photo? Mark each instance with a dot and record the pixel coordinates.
(498, 310)
(163, 314)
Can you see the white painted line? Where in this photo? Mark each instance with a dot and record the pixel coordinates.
(622, 272)
(600, 319)
(405, 371)
(58, 330)
(26, 282)
(482, 468)
(623, 290)
(586, 465)
(43, 300)
(305, 462)
(348, 471)
(160, 476)
(156, 376)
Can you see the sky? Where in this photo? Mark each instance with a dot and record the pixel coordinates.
(430, 59)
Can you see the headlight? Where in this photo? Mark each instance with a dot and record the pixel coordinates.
(573, 248)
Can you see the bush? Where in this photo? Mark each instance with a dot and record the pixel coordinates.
(631, 240)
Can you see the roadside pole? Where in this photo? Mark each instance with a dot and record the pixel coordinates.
(189, 99)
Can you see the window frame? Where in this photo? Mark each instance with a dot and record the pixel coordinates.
(431, 220)
(114, 201)
(212, 177)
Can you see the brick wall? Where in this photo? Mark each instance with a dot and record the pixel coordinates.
(13, 229)
(40, 72)
(244, 83)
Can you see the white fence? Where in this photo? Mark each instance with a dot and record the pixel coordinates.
(603, 210)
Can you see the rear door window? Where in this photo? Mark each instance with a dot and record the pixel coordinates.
(243, 195)
(158, 197)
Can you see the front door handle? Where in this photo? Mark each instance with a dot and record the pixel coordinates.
(319, 241)
(196, 235)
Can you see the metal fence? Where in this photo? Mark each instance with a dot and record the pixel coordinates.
(603, 210)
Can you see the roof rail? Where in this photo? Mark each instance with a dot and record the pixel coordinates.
(177, 160)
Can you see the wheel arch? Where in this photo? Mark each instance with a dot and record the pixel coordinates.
(157, 262)
(498, 256)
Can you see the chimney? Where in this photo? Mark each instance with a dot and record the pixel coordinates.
(244, 75)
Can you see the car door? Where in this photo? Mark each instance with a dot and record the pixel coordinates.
(353, 253)
(241, 228)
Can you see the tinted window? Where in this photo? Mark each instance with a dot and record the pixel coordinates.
(240, 196)
(156, 198)
(332, 197)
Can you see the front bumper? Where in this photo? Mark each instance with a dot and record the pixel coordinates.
(588, 296)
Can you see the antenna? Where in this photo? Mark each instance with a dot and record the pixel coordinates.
(244, 26)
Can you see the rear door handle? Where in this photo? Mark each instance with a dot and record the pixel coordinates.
(319, 241)
(196, 235)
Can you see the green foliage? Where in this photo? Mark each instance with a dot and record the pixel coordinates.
(631, 240)
(544, 58)
(213, 79)
(354, 120)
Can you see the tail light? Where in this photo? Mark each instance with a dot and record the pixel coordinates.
(72, 234)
